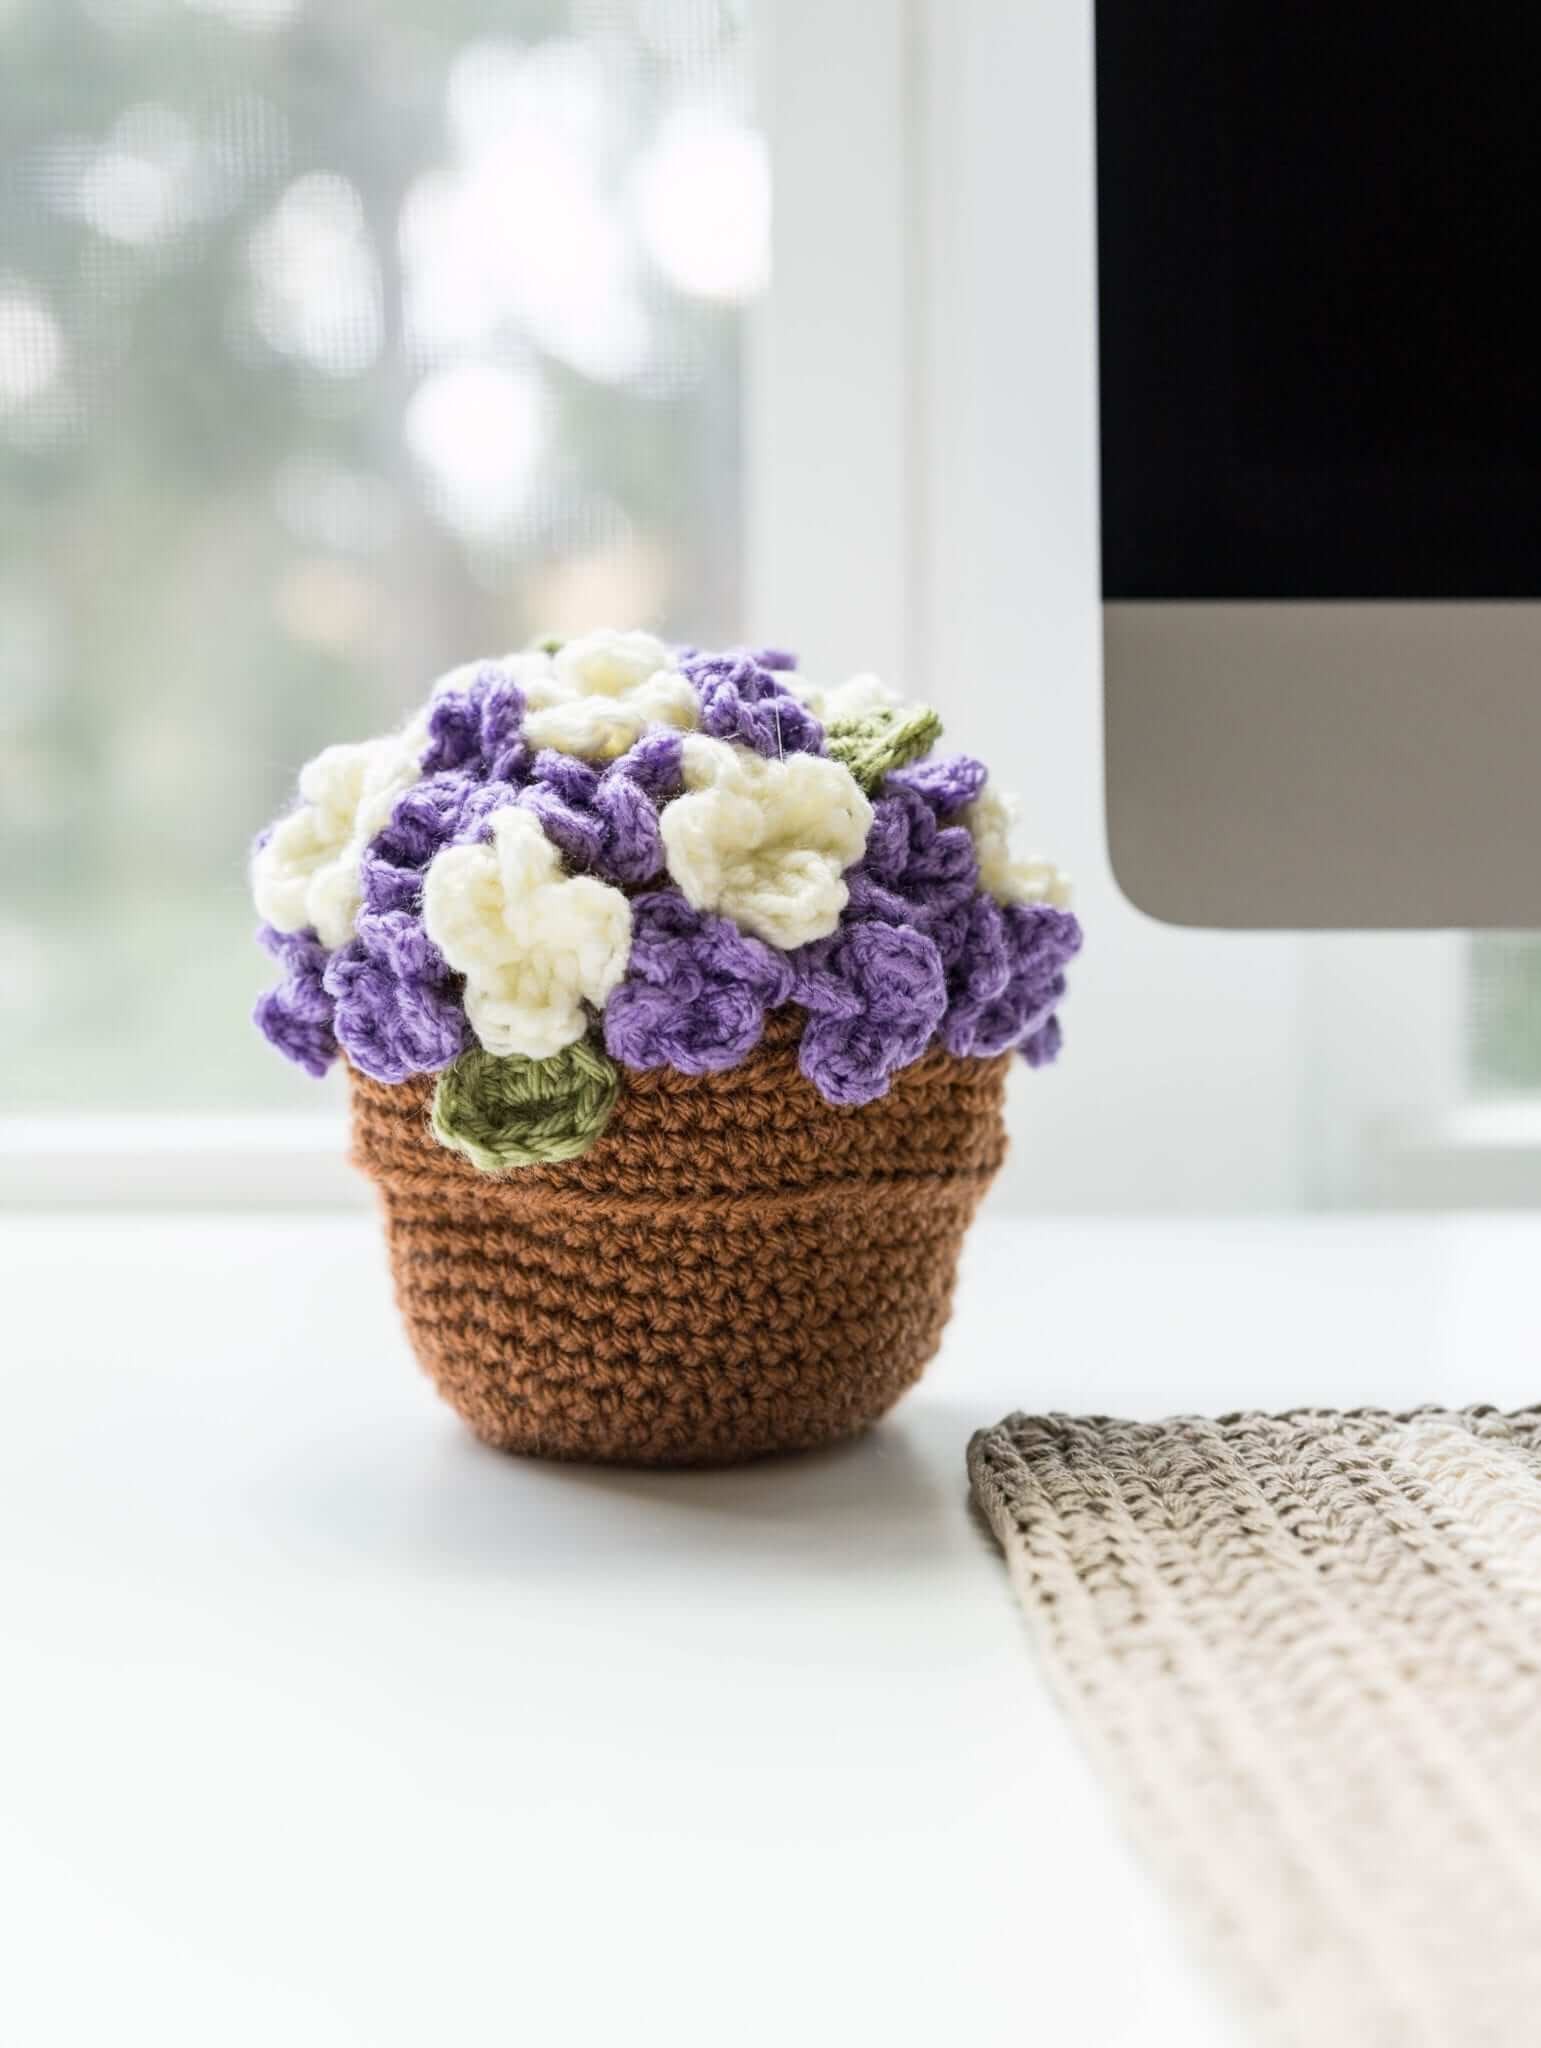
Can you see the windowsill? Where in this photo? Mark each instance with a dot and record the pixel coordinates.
(1482, 1155)
(147, 1161)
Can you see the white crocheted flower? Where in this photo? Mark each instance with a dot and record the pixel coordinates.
(533, 943)
(854, 698)
(765, 842)
(1010, 877)
(306, 873)
(601, 693)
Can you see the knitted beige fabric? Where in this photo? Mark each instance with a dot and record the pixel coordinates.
(1306, 1652)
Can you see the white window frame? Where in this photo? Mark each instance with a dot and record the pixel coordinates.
(923, 495)
(920, 436)
(1396, 1124)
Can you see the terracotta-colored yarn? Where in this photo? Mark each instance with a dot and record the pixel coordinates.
(736, 1266)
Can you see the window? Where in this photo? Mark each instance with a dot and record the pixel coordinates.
(336, 345)
(1504, 1024)
(339, 343)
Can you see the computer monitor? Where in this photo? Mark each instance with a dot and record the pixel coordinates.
(1320, 336)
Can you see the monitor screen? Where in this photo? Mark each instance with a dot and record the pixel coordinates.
(1320, 299)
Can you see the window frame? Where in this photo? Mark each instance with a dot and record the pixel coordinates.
(1398, 1125)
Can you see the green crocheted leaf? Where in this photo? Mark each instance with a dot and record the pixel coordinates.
(503, 1113)
(873, 745)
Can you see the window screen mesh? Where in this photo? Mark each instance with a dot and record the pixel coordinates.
(1504, 1022)
(337, 344)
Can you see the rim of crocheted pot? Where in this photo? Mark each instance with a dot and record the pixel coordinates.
(757, 1130)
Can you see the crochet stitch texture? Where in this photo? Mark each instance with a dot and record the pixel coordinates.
(877, 742)
(503, 1113)
(609, 839)
(533, 943)
(1304, 1651)
(675, 994)
(734, 1267)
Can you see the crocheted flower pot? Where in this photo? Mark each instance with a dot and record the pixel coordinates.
(735, 1267)
(676, 995)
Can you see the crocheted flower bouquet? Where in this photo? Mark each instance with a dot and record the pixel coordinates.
(676, 997)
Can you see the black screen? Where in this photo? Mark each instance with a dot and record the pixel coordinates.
(1320, 234)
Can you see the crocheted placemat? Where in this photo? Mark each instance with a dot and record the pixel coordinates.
(1305, 1650)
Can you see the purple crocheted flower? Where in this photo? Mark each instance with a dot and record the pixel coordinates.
(477, 727)
(1041, 1048)
(604, 823)
(696, 989)
(398, 1005)
(1008, 979)
(296, 1016)
(946, 785)
(915, 872)
(874, 994)
(743, 699)
(655, 764)
(433, 814)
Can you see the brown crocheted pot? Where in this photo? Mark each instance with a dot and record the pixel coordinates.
(734, 1267)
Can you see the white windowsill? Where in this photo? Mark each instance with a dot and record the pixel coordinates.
(1479, 1155)
(148, 1161)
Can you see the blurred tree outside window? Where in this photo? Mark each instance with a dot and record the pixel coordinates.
(338, 343)
(1504, 1015)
